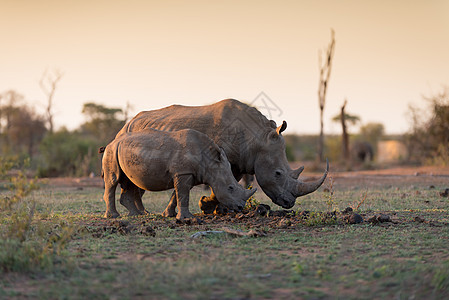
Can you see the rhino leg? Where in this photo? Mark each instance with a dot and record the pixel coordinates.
(111, 173)
(109, 198)
(127, 200)
(138, 193)
(128, 196)
(183, 185)
(170, 211)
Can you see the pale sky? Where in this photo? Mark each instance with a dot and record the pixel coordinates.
(156, 53)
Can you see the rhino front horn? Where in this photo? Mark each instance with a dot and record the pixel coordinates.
(304, 188)
(250, 193)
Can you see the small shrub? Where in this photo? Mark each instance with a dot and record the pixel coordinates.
(440, 279)
(68, 154)
(26, 244)
(252, 202)
(428, 140)
(320, 218)
(330, 202)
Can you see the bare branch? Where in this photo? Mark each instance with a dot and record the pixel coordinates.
(325, 73)
(48, 85)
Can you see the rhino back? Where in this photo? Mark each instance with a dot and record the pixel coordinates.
(150, 158)
(234, 126)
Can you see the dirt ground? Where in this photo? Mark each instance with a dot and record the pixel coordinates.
(260, 220)
(368, 178)
(261, 216)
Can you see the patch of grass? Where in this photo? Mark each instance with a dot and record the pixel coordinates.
(318, 259)
(26, 244)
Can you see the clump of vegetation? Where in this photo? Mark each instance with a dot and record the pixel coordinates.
(440, 279)
(27, 243)
(65, 153)
(320, 218)
(328, 217)
(428, 140)
(331, 205)
(252, 202)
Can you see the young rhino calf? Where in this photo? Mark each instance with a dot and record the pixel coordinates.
(157, 160)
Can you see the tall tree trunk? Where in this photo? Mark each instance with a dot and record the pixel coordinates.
(320, 157)
(345, 137)
(325, 73)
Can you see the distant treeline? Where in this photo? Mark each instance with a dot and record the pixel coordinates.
(26, 134)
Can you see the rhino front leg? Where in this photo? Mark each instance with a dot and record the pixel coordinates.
(109, 198)
(183, 185)
(170, 211)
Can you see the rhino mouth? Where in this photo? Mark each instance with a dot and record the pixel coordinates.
(226, 208)
(286, 201)
(287, 205)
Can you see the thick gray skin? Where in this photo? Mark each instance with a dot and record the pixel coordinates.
(156, 160)
(252, 143)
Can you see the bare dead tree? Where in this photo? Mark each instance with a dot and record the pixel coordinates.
(345, 138)
(345, 119)
(325, 73)
(48, 83)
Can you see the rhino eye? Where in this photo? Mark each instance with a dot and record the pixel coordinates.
(230, 188)
(278, 173)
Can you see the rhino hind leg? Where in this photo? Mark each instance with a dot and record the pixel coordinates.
(109, 198)
(138, 194)
(128, 196)
(183, 185)
(170, 211)
(110, 177)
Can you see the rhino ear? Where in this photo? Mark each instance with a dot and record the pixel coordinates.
(281, 128)
(222, 154)
(216, 153)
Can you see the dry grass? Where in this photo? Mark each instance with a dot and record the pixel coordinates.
(402, 259)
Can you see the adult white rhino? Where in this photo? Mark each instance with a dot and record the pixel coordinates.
(252, 143)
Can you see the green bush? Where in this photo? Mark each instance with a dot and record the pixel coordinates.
(26, 243)
(428, 140)
(67, 153)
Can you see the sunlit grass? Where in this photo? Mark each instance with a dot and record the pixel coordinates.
(324, 260)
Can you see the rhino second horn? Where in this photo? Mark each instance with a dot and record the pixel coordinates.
(304, 188)
(295, 173)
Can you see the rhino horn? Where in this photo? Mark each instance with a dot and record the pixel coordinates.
(304, 188)
(295, 173)
(250, 192)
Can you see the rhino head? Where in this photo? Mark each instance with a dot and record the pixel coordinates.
(219, 176)
(274, 174)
